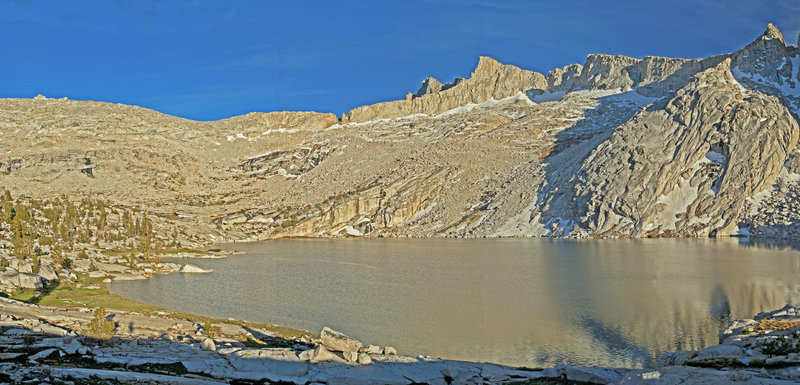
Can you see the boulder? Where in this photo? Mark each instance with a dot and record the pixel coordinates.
(337, 341)
(320, 354)
(350, 356)
(390, 351)
(371, 349)
(720, 351)
(208, 344)
(48, 272)
(675, 358)
(364, 359)
(591, 375)
(21, 266)
(21, 280)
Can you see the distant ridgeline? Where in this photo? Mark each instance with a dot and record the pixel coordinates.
(615, 147)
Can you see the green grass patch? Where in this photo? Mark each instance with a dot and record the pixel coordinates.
(69, 295)
(164, 251)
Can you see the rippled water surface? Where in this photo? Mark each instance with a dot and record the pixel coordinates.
(527, 302)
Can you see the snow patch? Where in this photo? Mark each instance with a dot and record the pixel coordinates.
(632, 97)
(715, 157)
(282, 172)
(349, 230)
(519, 97)
(547, 96)
(523, 224)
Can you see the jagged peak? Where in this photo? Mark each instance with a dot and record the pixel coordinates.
(773, 32)
(429, 86)
(486, 66)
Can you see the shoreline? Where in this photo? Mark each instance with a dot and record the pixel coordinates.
(387, 363)
(43, 342)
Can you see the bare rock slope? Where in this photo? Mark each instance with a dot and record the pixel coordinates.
(615, 147)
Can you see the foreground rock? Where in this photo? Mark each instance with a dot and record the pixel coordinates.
(45, 344)
(334, 340)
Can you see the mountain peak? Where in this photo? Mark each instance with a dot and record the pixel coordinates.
(486, 66)
(773, 32)
(429, 86)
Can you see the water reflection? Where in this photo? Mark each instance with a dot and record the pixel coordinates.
(531, 302)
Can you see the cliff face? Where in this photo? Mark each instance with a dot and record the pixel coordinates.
(616, 147)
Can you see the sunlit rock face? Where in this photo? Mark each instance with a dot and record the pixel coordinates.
(683, 166)
(613, 147)
(490, 80)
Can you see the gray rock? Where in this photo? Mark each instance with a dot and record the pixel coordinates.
(719, 351)
(48, 272)
(21, 280)
(43, 354)
(390, 351)
(593, 375)
(320, 354)
(364, 359)
(371, 349)
(350, 356)
(334, 340)
(21, 266)
(675, 358)
(208, 344)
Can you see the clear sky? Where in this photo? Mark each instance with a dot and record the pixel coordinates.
(209, 60)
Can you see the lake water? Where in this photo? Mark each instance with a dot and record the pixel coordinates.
(524, 302)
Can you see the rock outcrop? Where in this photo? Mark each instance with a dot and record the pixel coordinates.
(651, 76)
(285, 120)
(768, 61)
(490, 80)
(681, 167)
(429, 86)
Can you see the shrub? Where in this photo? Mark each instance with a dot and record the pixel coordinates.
(99, 327)
(212, 330)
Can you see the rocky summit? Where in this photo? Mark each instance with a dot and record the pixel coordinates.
(614, 147)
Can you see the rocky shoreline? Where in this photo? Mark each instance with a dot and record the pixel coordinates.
(50, 345)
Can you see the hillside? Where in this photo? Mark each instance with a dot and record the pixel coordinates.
(615, 147)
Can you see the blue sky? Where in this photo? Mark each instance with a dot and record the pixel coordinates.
(209, 60)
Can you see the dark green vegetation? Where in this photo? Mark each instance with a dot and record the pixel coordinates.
(58, 227)
(782, 345)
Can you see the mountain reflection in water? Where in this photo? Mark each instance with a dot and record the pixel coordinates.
(526, 302)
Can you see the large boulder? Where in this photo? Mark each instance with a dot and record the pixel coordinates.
(337, 341)
(48, 272)
(21, 266)
(21, 280)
